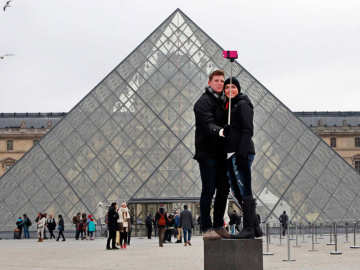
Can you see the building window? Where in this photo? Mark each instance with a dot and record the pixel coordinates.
(357, 141)
(357, 165)
(333, 142)
(10, 145)
(36, 142)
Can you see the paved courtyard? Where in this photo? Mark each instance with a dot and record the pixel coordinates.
(144, 254)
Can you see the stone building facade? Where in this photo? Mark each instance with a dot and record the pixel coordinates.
(19, 132)
(340, 130)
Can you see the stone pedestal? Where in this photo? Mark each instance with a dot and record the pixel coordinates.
(224, 254)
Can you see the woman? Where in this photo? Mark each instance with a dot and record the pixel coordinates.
(124, 217)
(240, 155)
(41, 226)
(61, 228)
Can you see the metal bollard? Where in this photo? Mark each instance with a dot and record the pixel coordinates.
(296, 236)
(303, 233)
(331, 243)
(291, 229)
(346, 233)
(312, 239)
(288, 249)
(280, 232)
(335, 252)
(320, 232)
(267, 241)
(355, 228)
(316, 236)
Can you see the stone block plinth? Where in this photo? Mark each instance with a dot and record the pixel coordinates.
(229, 254)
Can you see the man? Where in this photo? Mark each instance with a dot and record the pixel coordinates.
(148, 224)
(284, 222)
(161, 221)
(233, 221)
(27, 224)
(210, 120)
(112, 217)
(76, 221)
(186, 223)
(51, 225)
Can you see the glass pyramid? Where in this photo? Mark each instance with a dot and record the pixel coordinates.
(132, 138)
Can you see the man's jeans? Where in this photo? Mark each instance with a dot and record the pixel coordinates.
(187, 235)
(213, 177)
(26, 232)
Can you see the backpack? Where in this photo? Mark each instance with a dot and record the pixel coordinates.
(162, 220)
(74, 220)
(28, 222)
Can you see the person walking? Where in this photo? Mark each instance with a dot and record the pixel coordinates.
(148, 224)
(51, 225)
(27, 223)
(61, 228)
(240, 151)
(41, 227)
(284, 220)
(210, 126)
(112, 217)
(178, 227)
(161, 221)
(186, 223)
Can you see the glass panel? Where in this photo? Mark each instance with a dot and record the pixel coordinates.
(246, 80)
(282, 115)
(16, 200)
(121, 142)
(101, 92)
(295, 127)
(30, 186)
(329, 181)
(60, 156)
(45, 170)
(260, 115)
(262, 141)
(168, 69)
(99, 117)
(108, 155)
(180, 128)
(273, 127)
(73, 142)
(265, 167)
(136, 59)
(314, 166)
(84, 156)
(125, 70)
(269, 103)
(309, 140)
(56, 184)
(344, 196)
(334, 210)
(70, 170)
(324, 152)
(319, 196)
(157, 80)
(256, 92)
(97, 142)
(132, 155)
(168, 141)
(144, 169)
(110, 129)
(276, 153)
(305, 182)
(131, 183)
(76, 117)
(86, 130)
(121, 169)
(299, 153)
(88, 105)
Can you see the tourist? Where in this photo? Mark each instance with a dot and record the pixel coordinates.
(51, 225)
(83, 226)
(91, 228)
(76, 221)
(161, 221)
(186, 223)
(178, 227)
(112, 217)
(27, 223)
(19, 227)
(210, 118)
(284, 220)
(240, 152)
(148, 224)
(124, 219)
(61, 228)
(41, 226)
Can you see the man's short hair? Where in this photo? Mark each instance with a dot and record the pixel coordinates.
(217, 72)
(185, 206)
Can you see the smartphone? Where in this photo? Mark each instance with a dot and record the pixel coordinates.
(230, 55)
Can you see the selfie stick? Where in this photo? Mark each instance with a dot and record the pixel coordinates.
(231, 55)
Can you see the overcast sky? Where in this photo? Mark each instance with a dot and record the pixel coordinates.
(305, 52)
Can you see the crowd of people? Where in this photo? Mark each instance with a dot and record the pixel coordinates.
(85, 227)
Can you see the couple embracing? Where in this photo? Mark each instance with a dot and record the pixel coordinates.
(225, 154)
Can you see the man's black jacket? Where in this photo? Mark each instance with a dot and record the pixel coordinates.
(241, 127)
(112, 218)
(210, 117)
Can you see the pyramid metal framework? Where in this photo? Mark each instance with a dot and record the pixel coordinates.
(132, 138)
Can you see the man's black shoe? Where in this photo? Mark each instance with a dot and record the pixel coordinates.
(115, 248)
(108, 248)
